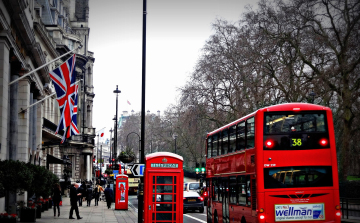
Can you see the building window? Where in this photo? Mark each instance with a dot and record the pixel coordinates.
(70, 44)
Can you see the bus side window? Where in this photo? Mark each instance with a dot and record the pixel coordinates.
(224, 142)
(248, 191)
(220, 190)
(250, 133)
(232, 139)
(214, 145)
(233, 193)
(214, 189)
(241, 190)
(209, 147)
(240, 135)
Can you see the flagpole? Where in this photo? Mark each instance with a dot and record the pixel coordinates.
(33, 71)
(23, 110)
(100, 129)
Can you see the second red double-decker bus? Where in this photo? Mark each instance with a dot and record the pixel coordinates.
(277, 164)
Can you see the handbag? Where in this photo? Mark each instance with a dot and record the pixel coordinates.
(60, 203)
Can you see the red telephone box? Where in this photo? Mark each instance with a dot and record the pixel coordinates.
(164, 179)
(121, 195)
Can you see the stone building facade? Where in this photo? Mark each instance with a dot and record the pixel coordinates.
(32, 33)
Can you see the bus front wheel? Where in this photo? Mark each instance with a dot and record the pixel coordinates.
(243, 219)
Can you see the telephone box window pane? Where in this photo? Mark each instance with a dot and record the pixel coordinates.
(174, 198)
(174, 207)
(153, 189)
(163, 198)
(153, 197)
(174, 216)
(153, 216)
(164, 189)
(174, 189)
(174, 180)
(163, 207)
(163, 216)
(164, 180)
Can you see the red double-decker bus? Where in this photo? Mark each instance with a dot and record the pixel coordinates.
(277, 164)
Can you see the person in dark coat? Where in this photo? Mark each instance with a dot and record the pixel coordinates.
(97, 192)
(81, 191)
(74, 195)
(89, 195)
(109, 196)
(56, 197)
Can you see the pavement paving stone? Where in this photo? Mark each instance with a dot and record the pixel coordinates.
(101, 214)
(98, 214)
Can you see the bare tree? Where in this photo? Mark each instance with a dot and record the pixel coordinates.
(324, 35)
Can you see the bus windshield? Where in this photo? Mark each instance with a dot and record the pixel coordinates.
(289, 122)
(289, 177)
(295, 130)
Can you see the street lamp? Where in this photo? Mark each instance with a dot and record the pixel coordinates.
(114, 143)
(117, 91)
(139, 141)
(174, 137)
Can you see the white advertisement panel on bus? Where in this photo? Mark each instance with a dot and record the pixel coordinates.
(299, 212)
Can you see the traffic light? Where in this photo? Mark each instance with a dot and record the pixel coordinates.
(197, 170)
(94, 159)
(113, 159)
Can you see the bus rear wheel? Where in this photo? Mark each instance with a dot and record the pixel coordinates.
(216, 219)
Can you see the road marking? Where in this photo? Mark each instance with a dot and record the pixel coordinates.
(195, 218)
(132, 206)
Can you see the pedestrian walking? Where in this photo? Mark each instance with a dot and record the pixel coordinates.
(81, 191)
(56, 197)
(109, 196)
(73, 200)
(97, 192)
(89, 195)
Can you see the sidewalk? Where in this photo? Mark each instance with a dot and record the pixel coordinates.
(351, 219)
(93, 213)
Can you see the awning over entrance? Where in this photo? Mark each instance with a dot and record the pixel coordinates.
(54, 160)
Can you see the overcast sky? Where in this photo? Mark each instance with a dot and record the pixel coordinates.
(175, 33)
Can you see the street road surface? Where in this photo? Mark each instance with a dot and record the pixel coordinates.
(189, 217)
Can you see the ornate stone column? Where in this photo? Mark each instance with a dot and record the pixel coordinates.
(24, 119)
(87, 152)
(4, 104)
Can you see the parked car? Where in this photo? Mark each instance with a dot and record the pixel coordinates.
(192, 186)
(193, 201)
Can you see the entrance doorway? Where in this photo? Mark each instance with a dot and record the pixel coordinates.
(164, 199)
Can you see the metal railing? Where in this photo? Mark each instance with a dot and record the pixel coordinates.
(350, 207)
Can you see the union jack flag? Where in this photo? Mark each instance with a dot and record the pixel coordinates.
(73, 127)
(63, 78)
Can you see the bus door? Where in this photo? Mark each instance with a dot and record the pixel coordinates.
(209, 189)
(225, 199)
